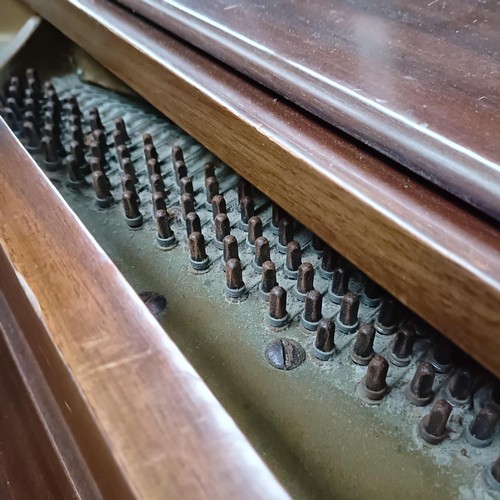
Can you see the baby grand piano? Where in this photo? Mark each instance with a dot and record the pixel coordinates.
(249, 250)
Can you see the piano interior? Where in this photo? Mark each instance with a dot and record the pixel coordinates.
(342, 390)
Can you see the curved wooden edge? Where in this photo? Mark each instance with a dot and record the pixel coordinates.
(145, 422)
(438, 259)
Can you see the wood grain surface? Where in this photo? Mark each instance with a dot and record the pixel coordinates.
(144, 421)
(419, 81)
(436, 257)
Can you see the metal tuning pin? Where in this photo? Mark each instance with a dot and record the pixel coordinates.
(277, 315)
(230, 248)
(96, 152)
(317, 244)
(118, 138)
(197, 255)
(419, 391)
(371, 295)
(458, 389)
(285, 234)
(362, 348)
(339, 285)
(262, 253)
(305, 281)
(122, 129)
(186, 185)
(75, 176)
(53, 133)
(244, 189)
(147, 139)
(187, 204)
(77, 135)
(193, 223)
(101, 188)
(11, 119)
(481, 431)
(347, 318)
(177, 154)
(77, 151)
(432, 427)
(133, 216)
(324, 344)
(153, 167)
(74, 107)
(164, 235)
(277, 214)
(157, 185)
(254, 230)
(158, 201)
(268, 279)
(402, 347)
(150, 152)
(32, 138)
(441, 355)
(209, 170)
(388, 316)
(100, 138)
(211, 189)
(96, 165)
(180, 171)
(122, 152)
(51, 159)
(95, 120)
(373, 386)
(218, 205)
(129, 169)
(312, 315)
(222, 229)
(128, 184)
(293, 260)
(328, 262)
(235, 287)
(247, 211)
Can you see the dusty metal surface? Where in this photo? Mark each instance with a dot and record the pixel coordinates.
(313, 424)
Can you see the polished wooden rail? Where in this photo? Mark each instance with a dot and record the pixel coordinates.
(143, 420)
(435, 256)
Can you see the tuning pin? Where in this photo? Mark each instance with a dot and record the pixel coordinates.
(305, 281)
(209, 170)
(481, 431)
(222, 229)
(235, 287)
(96, 152)
(157, 185)
(244, 189)
(372, 294)
(293, 259)
(95, 120)
(441, 355)
(77, 135)
(458, 390)
(128, 184)
(277, 214)
(373, 386)
(187, 204)
(75, 176)
(328, 262)
(211, 189)
(186, 186)
(122, 129)
(180, 171)
(254, 230)
(122, 152)
(388, 316)
(419, 391)
(262, 253)
(311, 316)
(11, 120)
(324, 344)
(268, 279)
(177, 154)
(193, 223)
(197, 255)
(347, 318)
(101, 187)
(33, 82)
(74, 107)
(129, 169)
(285, 234)
(30, 133)
(51, 131)
(51, 159)
(277, 315)
(362, 348)
(158, 201)
(32, 105)
(432, 427)
(230, 247)
(339, 285)
(150, 152)
(164, 235)
(402, 347)
(153, 167)
(100, 138)
(317, 244)
(247, 211)
(12, 104)
(133, 216)
(96, 165)
(118, 138)
(218, 205)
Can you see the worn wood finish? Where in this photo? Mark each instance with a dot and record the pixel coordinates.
(437, 258)
(417, 80)
(144, 421)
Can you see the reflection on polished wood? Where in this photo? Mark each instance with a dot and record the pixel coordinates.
(437, 258)
(145, 423)
(419, 81)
